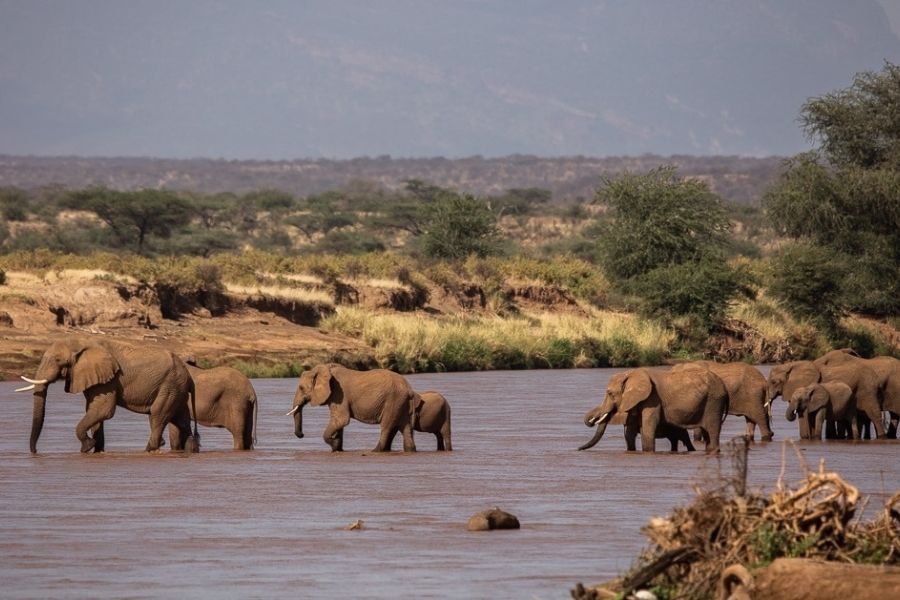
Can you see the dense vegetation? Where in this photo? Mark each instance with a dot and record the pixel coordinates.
(658, 243)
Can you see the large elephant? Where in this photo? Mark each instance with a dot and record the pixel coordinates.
(145, 380)
(376, 396)
(886, 368)
(785, 380)
(687, 399)
(817, 402)
(746, 389)
(226, 398)
(432, 415)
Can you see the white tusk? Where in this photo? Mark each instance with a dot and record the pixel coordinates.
(34, 381)
(292, 411)
(602, 417)
(26, 388)
(594, 420)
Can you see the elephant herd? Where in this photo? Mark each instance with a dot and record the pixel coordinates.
(173, 392)
(840, 390)
(845, 393)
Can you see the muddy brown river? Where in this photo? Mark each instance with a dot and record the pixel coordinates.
(271, 522)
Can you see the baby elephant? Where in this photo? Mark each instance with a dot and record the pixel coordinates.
(432, 415)
(226, 398)
(833, 401)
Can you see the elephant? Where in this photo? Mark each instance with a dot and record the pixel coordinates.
(632, 424)
(376, 396)
(687, 398)
(432, 415)
(819, 401)
(746, 389)
(784, 380)
(145, 380)
(226, 398)
(886, 368)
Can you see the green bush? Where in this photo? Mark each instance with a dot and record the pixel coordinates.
(807, 279)
(699, 290)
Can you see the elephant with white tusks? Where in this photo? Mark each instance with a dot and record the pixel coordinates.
(687, 399)
(145, 380)
(377, 396)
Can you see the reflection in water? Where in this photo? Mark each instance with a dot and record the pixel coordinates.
(272, 521)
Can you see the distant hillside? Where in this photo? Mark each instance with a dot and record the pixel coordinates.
(737, 179)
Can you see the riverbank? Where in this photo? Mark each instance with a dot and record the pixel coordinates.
(270, 316)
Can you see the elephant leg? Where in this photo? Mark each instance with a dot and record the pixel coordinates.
(892, 427)
(386, 438)
(446, 443)
(804, 430)
(750, 428)
(180, 429)
(713, 430)
(698, 434)
(686, 440)
(649, 423)
(631, 433)
(873, 414)
(854, 426)
(334, 431)
(334, 437)
(100, 407)
(96, 431)
(440, 441)
(409, 442)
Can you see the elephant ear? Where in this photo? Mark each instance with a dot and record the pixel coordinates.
(637, 389)
(818, 399)
(321, 385)
(93, 365)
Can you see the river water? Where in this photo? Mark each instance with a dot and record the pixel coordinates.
(271, 522)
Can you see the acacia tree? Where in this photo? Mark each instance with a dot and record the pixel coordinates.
(845, 196)
(133, 216)
(460, 225)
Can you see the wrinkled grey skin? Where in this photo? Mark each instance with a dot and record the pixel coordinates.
(687, 399)
(146, 380)
(817, 402)
(432, 415)
(226, 398)
(378, 396)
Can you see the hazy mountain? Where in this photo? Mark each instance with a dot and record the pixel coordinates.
(424, 77)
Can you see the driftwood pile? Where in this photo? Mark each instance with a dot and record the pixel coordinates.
(728, 526)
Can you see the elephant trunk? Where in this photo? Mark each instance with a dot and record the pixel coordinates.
(298, 419)
(601, 429)
(791, 413)
(37, 416)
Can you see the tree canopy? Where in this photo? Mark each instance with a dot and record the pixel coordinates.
(845, 196)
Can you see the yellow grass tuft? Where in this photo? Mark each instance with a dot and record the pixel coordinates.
(285, 293)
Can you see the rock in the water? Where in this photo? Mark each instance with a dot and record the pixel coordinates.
(493, 518)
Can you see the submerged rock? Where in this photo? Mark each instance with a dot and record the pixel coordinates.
(493, 518)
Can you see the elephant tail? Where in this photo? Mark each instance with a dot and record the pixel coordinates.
(193, 395)
(255, 418)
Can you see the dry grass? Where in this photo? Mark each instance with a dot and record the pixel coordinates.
(413, 342)
(285, 293)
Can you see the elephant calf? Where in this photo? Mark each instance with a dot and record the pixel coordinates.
(432, 415)
(226, 398)
(817, 402)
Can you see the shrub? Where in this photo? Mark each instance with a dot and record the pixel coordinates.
(808, 280)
